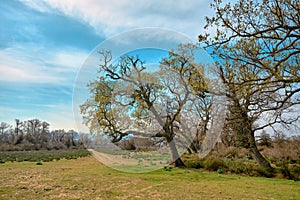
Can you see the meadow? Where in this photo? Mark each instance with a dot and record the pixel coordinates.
(87, 178)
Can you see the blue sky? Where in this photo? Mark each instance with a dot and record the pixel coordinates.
(43, 44)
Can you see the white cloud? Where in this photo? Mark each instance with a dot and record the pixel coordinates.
(69, 59)
(37, 64)
(14, 69)
(41, 6)
(114, 16)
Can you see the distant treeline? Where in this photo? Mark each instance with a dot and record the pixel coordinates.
(35, 134)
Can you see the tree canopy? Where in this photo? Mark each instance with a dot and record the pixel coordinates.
(172, 102)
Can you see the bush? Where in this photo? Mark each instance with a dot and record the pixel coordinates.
(42, 155)
(260, 171)
(232, 152)
(214, 163)
(199, 163)
(290, 171)
(237, 164)
(295, 170)
(39, 163)
(238, 167)
(167, 168)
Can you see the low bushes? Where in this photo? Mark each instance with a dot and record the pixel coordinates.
(213, 163)
(194, 163)
(244, 166)
(42, 155)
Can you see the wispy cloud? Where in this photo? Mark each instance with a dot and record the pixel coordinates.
(30, 63)
(69, 59)
(40, 6)
(114, 16)
(12, 70)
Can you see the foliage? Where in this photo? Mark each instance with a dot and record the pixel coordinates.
(214, 163)
(39, 163)
(194, 163)
(220, 171)
(285, 161)
(168, 168)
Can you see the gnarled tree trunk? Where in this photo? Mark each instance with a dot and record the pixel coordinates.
(261, 160)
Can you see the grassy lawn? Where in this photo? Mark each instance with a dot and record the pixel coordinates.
(86, 178)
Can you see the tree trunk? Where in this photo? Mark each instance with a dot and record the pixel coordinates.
(195, 146)
(189, 150)
(175, 156)
(257, 155)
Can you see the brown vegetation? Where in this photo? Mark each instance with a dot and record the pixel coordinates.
(36, 135)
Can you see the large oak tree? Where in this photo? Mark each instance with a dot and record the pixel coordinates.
(256, 46)
(170, 102)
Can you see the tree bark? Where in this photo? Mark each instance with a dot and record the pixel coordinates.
(175, 156)
(194, 146)
(256, 153)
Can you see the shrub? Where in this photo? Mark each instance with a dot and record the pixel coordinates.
(232, 152)
(290, 171)
(239, 167)
(260, 171)
(214, 163)
(199, 163)
(42, 155)
(28, 146)
(295, 170)
(47, 159)
(39, 163)
(167, 168)
(47, 189)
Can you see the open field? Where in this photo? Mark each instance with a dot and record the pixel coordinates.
(86, 178)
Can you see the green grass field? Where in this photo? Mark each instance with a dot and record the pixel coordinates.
(86, 178)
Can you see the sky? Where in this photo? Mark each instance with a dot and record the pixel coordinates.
(43, 44)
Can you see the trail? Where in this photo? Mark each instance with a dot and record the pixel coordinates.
(112, 160)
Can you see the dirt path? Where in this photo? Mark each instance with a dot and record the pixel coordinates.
(112, 160)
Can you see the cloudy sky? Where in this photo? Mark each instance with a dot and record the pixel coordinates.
(43, 44)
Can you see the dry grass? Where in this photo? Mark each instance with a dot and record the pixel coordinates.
(86, 178)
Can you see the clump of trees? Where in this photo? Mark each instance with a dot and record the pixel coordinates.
(35, 134)
(256, 47)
